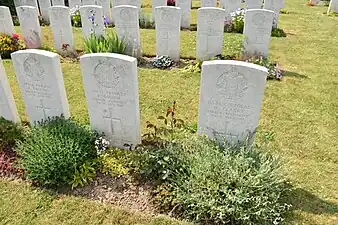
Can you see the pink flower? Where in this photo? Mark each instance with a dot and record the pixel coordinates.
(15, 36)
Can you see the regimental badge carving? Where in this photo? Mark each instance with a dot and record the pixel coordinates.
(106, 74)
(166, 17)
(125, 15)
(33, 69)
(232, 84)
(258, 19)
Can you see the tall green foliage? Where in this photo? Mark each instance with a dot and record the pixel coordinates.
(109, 43)
(55, 149)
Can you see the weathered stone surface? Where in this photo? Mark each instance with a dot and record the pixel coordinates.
(253, 4)
(127, 26)
(156, 3)
(230, 6)
(275, 6)
(168, 22)
(208, 3)
(230, 99)
(62, 29)
(30, 26)
(185, 6)
(41, 83)
(58, 2)
(6, 23)
(111, 87)
(257, 32)
(92, 20)
(210, 32)
(44, 8)
(7, 105)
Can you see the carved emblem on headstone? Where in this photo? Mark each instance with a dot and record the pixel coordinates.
(106, 74)
(232, 84)
(33, 69)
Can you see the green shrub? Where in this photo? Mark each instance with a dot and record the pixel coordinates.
(55, 149)
(109, 43)
(10, 132)
(84, 174)
(277, 32)
(146, 22)
(10, 5)
(230, 186)
(75, 17)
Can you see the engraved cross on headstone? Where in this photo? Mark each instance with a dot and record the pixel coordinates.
(113, 123)
(43, 108)
(165, 39)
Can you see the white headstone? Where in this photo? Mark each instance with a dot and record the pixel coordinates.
(168, 22)
(62, 29)
(210, 32)
(41, 82)
(92, 20)
(257, 32)
(44, 8)
(136, 3)
(230, 6)
(74, 3)
(253, 4)
(333, 6)
(275, 6)
(208, 3)
(6, 23)
(127, 26)
(231, 96)
(88, 2)
(7, 105)
(33, 3)
(111, 87)
(106, 7)
(58, 2)
(156, 3)
(185, 6)
(30, 26)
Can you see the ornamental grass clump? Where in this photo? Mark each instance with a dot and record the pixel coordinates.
(55, 149)
(239, 185)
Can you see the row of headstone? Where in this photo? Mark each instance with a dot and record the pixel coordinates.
(210, 26)
(231, 94)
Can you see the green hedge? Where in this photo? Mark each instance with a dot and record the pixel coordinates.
(10, 4)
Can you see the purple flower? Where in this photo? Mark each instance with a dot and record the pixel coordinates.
(105, 21)
(91, 18)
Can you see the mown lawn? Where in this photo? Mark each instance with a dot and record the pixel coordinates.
(302, 111)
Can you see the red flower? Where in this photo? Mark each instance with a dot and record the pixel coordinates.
(15, 36)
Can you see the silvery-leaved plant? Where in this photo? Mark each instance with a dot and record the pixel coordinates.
(162, 61)
(101, 145)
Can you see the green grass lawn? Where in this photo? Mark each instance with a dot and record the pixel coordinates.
(302, 111)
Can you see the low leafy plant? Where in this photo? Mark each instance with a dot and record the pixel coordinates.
(230, 186)
(162, 62)
(146, 22)
(10, 44)
(43, 22)
(172, 127)
(275, 72)
(16, 21)
(277, 32)
(75, 17)
(55, 149)
(116, 162)
(10, 132)
(284, 11)
(193, 68)
(109, 43)
(83, 175)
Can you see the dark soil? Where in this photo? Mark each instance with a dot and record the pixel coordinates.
(8, 160)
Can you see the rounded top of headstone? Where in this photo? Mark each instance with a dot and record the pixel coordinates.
(125, 6)
(259, 10)
(25, 7)
(235, 63)
(59, 7)
(111, 55)
(90, 6)
(168, 8)
(4, 7)
(36, 52)
(210, 9)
